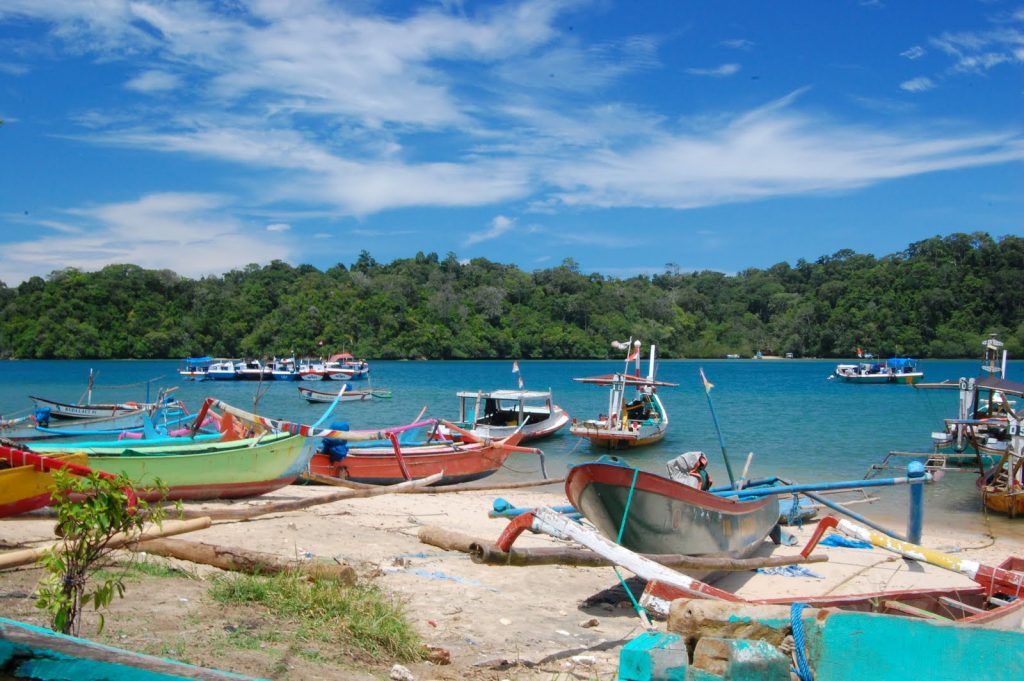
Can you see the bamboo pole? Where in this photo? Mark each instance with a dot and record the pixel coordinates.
(485, 552)
(166, 529)
(299, 504)
(238, 559)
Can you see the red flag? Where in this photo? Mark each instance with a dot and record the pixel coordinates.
(515, 367)
(634, 355)
(860, 353)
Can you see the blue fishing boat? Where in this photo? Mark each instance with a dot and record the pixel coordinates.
(30, 652)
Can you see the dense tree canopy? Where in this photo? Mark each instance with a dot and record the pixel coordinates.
(938, 298)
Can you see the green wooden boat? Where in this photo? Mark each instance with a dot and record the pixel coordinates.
(218, 470)
(28, 652)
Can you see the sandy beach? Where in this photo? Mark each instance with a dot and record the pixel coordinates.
(496, 622)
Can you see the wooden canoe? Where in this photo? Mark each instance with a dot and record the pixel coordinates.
(383, 465)
(665, 516)
(26, 488)
(220, 470)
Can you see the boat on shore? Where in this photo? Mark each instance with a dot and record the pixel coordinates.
(636, 423)
(500, 413)
(27, 486)
(206, 470)
(168, 415)
(649, 513)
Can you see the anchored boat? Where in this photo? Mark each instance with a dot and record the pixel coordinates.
(640, 421)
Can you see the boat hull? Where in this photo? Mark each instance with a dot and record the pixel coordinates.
(321, 396)
(222, 470)
(61, 410)
(603, 437)
(665, 516)
(548, 423)
(25, 488)
(379, 465)
(106, 426)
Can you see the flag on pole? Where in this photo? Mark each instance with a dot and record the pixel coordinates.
(515, 370)
(708, 385)
(634, 354)
(860, 353)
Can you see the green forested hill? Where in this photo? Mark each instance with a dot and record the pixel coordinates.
(938, 298)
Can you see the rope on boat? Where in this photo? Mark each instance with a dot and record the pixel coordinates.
(796, 623)
(640, 611)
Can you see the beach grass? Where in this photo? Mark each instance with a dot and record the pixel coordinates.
(361, 619)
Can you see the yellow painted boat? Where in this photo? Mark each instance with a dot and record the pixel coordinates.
(26, 488)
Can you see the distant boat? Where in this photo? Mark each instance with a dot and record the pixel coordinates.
(85, 408)
(195, 368)
(732, 355)
(344, 367)
(639, 422)
(284, 369)
(224, 370)
(311, 395)
(499, 413)
(893, 370)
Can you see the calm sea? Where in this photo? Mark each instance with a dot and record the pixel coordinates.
(798, 424)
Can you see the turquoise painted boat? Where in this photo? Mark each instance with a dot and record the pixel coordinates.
(829, 644)
(219, 470)
(28, 652)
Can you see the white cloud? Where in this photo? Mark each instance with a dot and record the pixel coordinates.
(919, 84)
(499, 225)
(717, 71)
(915, 52)
(12, 69)
(771, 151)
(738, 44)
(278, 227)
(192, 234)
(153, 81)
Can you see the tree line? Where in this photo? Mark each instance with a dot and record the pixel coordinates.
(938, 298)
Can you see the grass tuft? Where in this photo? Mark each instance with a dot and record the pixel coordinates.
(359, 618)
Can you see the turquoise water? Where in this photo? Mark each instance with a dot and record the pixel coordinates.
(798, 424)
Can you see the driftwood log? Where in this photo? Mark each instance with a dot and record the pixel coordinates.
(242, 560)
(483, 551)
(249, 512)
(166, 529)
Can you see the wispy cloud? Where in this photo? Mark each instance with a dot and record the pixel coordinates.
(738, 44)
(188, 233)
(278, 227)
(499, 225)
(771, 151)
(717, 71)
(13, 69)
(915, 52)
(153, 81)
(919, 84)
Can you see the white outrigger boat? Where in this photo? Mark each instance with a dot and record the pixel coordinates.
(496, 414)
(642, 421)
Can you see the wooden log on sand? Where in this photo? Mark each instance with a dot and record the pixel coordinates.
(485, 552)
(249, 512)
(242, 560)
(166, 529)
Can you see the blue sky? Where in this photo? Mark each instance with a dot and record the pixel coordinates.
(202, 136)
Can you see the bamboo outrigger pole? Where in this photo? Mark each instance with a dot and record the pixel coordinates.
(708, 385)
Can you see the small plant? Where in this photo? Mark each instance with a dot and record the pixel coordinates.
(91, 511)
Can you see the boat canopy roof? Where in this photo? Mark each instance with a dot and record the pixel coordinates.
(198, 361)
(901, 362)
(340, 356)
(1002, 385)
(506, 394)
(608, 379)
